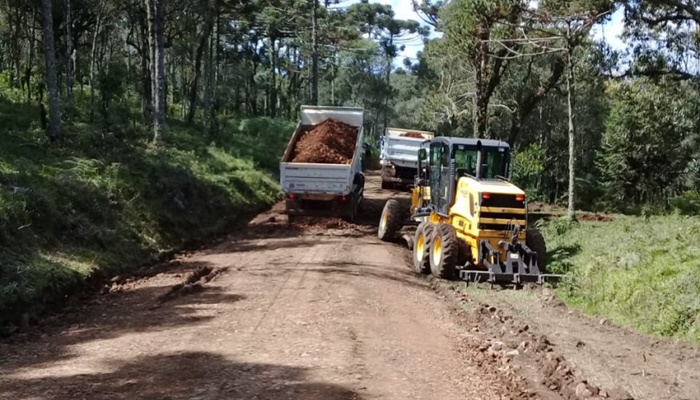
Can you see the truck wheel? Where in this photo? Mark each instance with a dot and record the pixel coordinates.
(444, 251)
(350, 213)
(359, 180)
(390, 222)
(535, 241)
(421, 247)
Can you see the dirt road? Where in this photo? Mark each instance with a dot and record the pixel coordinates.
(295, 314)
(288, 312)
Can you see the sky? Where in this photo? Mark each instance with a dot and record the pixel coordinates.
(403, 9)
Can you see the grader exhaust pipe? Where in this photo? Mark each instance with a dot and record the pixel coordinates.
(479, 159)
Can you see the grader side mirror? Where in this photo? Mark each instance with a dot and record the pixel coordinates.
(422, 154)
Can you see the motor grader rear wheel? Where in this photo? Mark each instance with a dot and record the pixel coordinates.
(535, 241)
(444, 252)
(421, 247)
(391, 221)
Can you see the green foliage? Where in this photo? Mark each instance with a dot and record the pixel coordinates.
(687, 203)
(72, 213)
(527, 166)
(645, 149)
(641, 272)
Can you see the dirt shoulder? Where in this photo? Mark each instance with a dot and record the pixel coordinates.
(604, 355)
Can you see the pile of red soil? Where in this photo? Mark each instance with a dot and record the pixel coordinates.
(415, 135)
(330, 142)
(311, 223)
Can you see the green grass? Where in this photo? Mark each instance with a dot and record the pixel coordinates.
(105, 201)
(638, 272)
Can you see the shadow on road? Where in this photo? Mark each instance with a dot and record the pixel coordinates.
(128, 308)
(190, 375)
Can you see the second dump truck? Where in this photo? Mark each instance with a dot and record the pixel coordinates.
(399, 156)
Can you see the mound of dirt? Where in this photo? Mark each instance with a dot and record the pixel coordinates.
(192, 283)
(415, 135)
(594, 217)
(314, 223)
(330, 142)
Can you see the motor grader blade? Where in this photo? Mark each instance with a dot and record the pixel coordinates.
(506, 278)
(520, 266)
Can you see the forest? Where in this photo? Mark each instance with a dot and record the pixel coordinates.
(131, 128)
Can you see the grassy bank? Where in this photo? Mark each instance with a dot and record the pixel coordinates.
(99, 204)
(639, 272)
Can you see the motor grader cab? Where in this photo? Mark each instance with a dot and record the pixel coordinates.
(472, 220)
(420, 192)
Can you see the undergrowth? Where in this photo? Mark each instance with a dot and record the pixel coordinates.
(105, 201)
(642, 272)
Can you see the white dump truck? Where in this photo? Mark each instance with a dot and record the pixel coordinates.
(322, 188)
(399, 156)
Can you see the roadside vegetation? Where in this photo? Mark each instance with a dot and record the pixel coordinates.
(99, 204)
(642, 272)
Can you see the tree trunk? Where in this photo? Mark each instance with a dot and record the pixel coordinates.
(30, 62)
(478, 95)
(273, 79)
(314, 62)
(51, 75)
(93, 65)
(69, 56)
(570, 87)
(149, 6)
(209, 86)
(146, 57)
(194, 85)
(159, 68)
(387, 97)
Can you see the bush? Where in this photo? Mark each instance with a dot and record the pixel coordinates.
(528, 165)
(687, 204)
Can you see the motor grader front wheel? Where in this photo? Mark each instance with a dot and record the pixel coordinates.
(421, 247)
(391, 221)
(444, 252)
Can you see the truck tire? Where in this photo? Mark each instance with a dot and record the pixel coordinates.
(535, 241)
(421, 247)
(465, 253)
(351, 213)
(391, 221)
(444, 252)
(359, 180)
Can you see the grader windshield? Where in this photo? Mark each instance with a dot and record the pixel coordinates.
(453, 158)
(494, 163)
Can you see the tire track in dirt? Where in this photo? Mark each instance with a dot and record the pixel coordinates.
(288, 276)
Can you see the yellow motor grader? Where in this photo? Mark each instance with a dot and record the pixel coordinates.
(472, 222)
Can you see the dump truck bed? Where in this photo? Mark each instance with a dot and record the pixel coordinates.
(400, 150)
(316, 178)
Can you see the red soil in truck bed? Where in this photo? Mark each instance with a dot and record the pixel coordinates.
(415, 135)
(330, 142)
